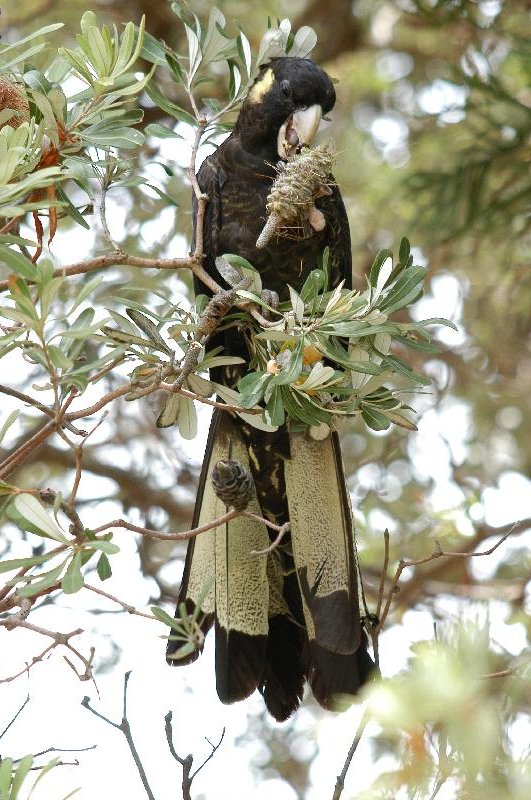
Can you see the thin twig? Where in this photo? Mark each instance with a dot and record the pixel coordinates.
(177, 537)
(126, 606)
(125, 728)
(275, 543)
(21, 709)
(438, 553)
(340, 781)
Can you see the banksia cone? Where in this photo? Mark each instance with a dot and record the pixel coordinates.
(13, 96)
(233, 484)
(291, 201)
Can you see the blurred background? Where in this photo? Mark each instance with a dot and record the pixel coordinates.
(432, 125)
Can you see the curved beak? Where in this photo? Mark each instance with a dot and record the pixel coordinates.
(298, 130)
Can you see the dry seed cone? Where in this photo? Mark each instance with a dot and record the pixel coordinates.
(13, 96)
(291, 199)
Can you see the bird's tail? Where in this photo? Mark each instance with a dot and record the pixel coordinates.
(294, 613)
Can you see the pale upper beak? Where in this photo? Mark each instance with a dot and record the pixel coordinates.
(298, 130)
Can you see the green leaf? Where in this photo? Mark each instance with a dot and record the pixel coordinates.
(407, 289)
(378, 262)
(292, 369)
(100, 544)
(43, 771)
(32, 512)
(19, 563)
(104, 567)
(374, 419)
(164, 617)
(45, 581)
(73, 578)
(166, 105)
(297, 304)
(275, 408)
(149, 328)
(20, 775)
(6, 768)
(127, 138)
(161, 131)
(4, 429)
(39, 32)
(18, 263)
(252, 388)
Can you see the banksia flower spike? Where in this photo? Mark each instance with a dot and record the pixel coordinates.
(291, 201)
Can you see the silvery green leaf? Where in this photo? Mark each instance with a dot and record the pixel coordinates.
(39, 32)
(194, 52)
(187, 419)
(358, 378)
(244, 50)
(232, 398)
(375, 419)
(149, 328)
(319, 376)
(170, 413)
(30, 509)
(303, 43)
(198, 385)
(72, 580)
(297, 303)
(382, 343)
(7, 424)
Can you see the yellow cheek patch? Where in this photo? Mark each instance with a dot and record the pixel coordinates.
(262, 87)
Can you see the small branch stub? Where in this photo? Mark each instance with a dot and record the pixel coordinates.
(233, 484)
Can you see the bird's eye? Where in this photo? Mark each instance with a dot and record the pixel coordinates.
(285, 88)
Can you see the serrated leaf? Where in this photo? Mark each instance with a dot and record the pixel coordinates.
(30, 509)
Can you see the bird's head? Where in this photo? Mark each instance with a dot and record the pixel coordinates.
(284, 107)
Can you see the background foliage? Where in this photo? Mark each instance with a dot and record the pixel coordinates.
(432, 125)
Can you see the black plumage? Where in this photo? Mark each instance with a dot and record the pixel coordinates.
(293, 615)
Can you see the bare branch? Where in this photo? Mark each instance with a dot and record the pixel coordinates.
(125, 728)
(126, 607)
(438, 553)
(340, 781)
